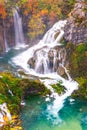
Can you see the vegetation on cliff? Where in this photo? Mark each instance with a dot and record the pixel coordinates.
(77, 56)
(59, 88)
(41, 15)
(45, 12)
(13, 90)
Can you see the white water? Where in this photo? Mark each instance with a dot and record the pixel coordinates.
(4, 112)
(41, 51)
(5, 39)
(19, 37)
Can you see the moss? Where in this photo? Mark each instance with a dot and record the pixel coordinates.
(33, 87)
(9, 91)
(77, 56)
(81, 93)
(59, 88)
(13, 89)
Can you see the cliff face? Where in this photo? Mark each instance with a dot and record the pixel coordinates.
(1, 37)
(9, 27)
(76, 27)
(6, 32)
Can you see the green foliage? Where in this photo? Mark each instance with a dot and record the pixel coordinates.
(36, 27)
(64, 43)
(59, 88)
(78, 59)
(9, 82)
(3, 98)
(81, 93)
(33, 87)
(77, 56)
(82, 48)
(72, 1)
(20, 88)
(40, 14)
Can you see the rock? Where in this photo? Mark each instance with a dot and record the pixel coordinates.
(9, 28)
(31, 62)
(76, 27)
(2, 44)
(61, 71)
(54, 57)
(51, 54)
(51, 58)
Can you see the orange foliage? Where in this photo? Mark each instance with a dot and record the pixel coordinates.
(53, 14)
(43, 12)
(25, 12)
(49, 8)
(33, 5)
(2, 10)
(52, 17)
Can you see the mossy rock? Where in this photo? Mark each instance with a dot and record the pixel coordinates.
(13, 89)
(33, 87)
(77, 57)
(59, 88)
(81, 93)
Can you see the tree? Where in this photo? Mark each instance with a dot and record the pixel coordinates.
(36, 27)
(2, 10)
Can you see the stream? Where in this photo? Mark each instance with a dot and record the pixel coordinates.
(54, 112)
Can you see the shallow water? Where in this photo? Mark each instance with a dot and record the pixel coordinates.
(5, 59)
(35, 115)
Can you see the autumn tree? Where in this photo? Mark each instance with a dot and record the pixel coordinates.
(2, 9)
(36, 27)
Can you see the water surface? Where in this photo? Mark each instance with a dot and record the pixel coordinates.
(35, 115)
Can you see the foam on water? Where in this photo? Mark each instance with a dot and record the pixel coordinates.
(47, 43)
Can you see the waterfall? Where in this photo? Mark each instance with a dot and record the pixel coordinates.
(5, 39)
(4, 112)
(45, 58)
(19, 37)
(41, 65)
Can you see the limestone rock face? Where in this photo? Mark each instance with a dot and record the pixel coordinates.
(76, 27)
(2, 47)
(6, 32)
(55, 61)
(9, 28)
(31, 62)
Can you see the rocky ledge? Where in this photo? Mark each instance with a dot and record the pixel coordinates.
(12, 93)
(76, 27)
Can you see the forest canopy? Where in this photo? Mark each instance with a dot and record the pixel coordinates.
(45, 12)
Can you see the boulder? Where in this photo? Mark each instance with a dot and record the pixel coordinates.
(61, 71)
(31, 62)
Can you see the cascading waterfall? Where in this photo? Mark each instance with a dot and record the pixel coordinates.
(19, 37)
(5, 39)
(4, 112)
(45, 68)
(41, 65)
